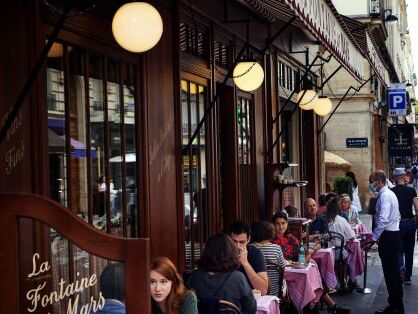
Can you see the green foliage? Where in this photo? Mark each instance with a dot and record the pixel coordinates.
(343, 185)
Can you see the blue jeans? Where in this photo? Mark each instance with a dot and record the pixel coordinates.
(407, 232)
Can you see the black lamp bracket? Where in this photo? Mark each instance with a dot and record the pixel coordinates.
(356, 89)
(35, 70)
(317, 57)
(303, 78)
(223, 85)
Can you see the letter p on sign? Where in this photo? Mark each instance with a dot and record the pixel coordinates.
(397, 100)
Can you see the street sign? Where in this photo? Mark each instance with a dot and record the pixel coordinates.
(357, 142)
(397, 100)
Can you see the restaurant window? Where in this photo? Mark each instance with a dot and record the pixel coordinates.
(288, 76)
(289, 152)
(245, 125)
(195, 175)
(91, 138)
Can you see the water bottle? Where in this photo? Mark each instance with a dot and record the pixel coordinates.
(301, 255)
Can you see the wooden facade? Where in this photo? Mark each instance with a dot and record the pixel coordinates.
(234, 165)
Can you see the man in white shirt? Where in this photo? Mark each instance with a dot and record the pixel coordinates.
(387, 220)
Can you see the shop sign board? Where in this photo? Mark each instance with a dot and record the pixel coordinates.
(397, 100)
(359, 142)
(401, 140)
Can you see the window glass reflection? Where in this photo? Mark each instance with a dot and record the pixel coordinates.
(91, 138)
(193, 103)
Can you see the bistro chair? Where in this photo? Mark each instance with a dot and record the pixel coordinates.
(286, 305)
(340, 262)
(226, 307)
(279, 271)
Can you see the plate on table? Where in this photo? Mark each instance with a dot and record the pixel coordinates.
(299, 266)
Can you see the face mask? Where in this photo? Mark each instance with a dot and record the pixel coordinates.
(373, 187)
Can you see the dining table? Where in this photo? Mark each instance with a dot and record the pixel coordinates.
(359, 229)
(304, 284)
(268, 304)
(355, 261)
(325, 259)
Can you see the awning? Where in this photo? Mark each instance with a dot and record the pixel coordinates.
(369, 48)
(56, 145)
(322, 20)
(334, 161)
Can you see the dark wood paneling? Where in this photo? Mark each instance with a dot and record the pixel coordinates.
(161, 149)
(229, 156)
(310, 141)
(134, 253)
(15, 150)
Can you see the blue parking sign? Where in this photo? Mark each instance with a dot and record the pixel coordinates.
(397, 100)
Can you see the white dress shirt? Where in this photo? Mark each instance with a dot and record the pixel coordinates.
(387, 215)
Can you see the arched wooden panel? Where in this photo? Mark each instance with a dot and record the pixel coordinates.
(134, 253)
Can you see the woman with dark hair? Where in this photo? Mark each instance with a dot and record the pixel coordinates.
(330, 196)
(168, 293)
(283, 238)
(262, 233)
(290, 245)
(336, 223)
(322, 204)
(355, 200)
(217, 275)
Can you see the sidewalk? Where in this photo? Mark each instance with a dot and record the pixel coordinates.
(368, 303)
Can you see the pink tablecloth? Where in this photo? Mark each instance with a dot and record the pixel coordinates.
(304, 285)
(268, 304)
(325, 258)
(355, 261)
(360, 228)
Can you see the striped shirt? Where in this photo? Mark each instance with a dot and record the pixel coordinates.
(273, 255)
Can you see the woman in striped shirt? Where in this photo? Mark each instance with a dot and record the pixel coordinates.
(262, 233)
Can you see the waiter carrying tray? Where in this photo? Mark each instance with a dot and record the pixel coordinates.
(387, 235)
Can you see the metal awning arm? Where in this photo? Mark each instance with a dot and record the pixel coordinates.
(223, 85)
(34, 72)
(357, 89)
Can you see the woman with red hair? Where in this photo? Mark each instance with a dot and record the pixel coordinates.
(168, 293)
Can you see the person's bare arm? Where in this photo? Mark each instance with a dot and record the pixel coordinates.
(259, 280)
(416, 205)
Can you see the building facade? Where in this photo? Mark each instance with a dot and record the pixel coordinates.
(163, 145)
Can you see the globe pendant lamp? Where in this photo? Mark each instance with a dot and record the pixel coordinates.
(308, 99)
(323, 106)
(137, 26)
(248, 75)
